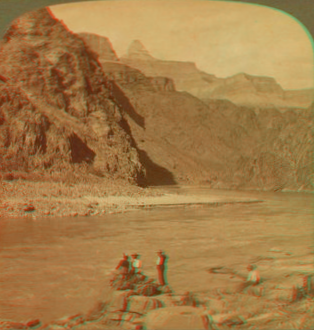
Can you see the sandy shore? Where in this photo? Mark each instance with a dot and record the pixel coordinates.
(37, 199)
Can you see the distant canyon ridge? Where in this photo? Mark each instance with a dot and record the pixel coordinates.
(241, 89)
(68, 103)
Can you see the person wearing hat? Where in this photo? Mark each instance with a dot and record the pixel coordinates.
(252, 280)
(136, 264)
(254, 276)
(161, 267)
(124, 265)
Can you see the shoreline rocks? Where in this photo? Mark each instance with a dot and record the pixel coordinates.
(162, 309)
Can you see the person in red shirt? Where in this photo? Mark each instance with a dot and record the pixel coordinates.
(124, 265)
(161, 267)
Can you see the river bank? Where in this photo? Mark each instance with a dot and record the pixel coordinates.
(21, 198)
(37, 199)
(138, 302)
(56, 269)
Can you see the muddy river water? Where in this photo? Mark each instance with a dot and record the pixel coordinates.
(51, 268)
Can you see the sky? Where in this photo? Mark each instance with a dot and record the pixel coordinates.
(222, 38)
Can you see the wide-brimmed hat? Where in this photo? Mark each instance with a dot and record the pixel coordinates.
(159, 251)
(134, 255)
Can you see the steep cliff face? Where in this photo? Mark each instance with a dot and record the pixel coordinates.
(237, 149)
(185, 140)
(241, 89)
(101, 46)
(56, 104)
(281, 153)
(179, 139)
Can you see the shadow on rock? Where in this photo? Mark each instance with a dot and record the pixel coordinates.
(156, 175)
(126, 105)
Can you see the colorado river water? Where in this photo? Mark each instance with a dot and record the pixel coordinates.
(51, 267)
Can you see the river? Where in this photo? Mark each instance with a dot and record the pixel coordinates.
(55, 267)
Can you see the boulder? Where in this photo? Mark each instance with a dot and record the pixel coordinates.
(308, 284)
(187, 299)
(130, 317)
(142, 305)
(177, 318)
(114, 316)
(281, 295)
(229, 319)
(55, 327)
(165, 289)
(119, 282)
(119, 301)
(123, 285)
(139, 279)
(256, 291)
(70, 321)
(167, 300)
(29, 208)
(124, 320)
(96, 313)
(148, 290)
(33, 323)
(263, 317)
(216, 305)
(9, 325)
(93, 326)
(111, 324)
(131, 325)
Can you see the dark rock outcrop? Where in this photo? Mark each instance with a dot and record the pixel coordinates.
(57, 108)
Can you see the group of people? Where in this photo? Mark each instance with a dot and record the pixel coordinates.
(130, 266)
(134, 266)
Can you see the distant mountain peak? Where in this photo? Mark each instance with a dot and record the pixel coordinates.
(241, 75)
(137, 51)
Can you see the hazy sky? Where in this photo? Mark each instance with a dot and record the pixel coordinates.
(222, 38)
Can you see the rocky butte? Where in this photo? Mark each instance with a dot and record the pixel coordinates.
(241, 89)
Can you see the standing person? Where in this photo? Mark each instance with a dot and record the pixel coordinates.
(136, 264)
(123, 266)
(161, 267)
